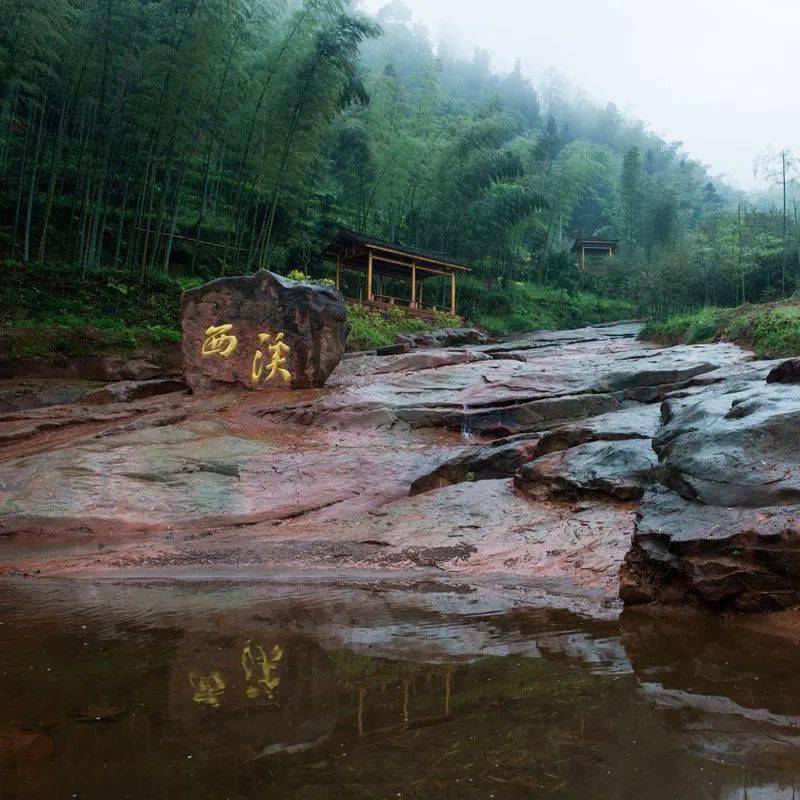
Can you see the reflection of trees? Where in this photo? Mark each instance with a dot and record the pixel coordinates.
(366, 678)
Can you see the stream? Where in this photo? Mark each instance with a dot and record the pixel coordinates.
(380, 689)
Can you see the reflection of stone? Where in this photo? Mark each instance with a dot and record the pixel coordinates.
(728, 712)
(243, 693)
(236, 328)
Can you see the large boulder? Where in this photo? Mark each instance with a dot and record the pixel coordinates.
(720, 529)
(262, 331)
(620, 469)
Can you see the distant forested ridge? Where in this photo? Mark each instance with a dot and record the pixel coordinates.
(208, 137)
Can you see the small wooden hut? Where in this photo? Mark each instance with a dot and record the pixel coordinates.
(377, 258)
(595, 249)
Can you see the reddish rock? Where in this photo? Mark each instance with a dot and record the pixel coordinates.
(136, 366)
(262, 331)
(430, 359)
(126, 391)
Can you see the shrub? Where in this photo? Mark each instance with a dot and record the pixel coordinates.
(771, 331)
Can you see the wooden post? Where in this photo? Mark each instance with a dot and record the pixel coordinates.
(413, 284)
(419, 301)
(338, 271)
(583, 257)
(452, 293)
(369, 276)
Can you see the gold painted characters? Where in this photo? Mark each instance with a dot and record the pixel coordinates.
(277, 364)
(219, 341)
(258, 667)
(207, 688)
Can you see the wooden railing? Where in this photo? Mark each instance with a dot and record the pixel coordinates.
(383, 303)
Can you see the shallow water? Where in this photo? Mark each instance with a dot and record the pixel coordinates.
(278, 690)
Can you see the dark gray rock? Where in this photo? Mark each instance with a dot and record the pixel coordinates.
(740, 449)
(640, 422)
(394, 349)
(720, 528)
(620, 469)
(538, 414)
(127, 391)
(446, 337)
(500, 459)
(786, 372)
(232, 327)
(727, 559)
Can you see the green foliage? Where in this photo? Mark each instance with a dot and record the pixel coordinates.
(47, 309)
(519, 306)
(369, 330)
(148, 147)
(701, 326)
(299, 275)
(771, 331)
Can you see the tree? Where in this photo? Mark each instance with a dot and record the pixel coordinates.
(779, 168)
(631, 195)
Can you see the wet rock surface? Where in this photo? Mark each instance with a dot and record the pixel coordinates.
(618, 469)
(136, 366)
(262, 331)
(552, 457)
(444, 337)
(720, 525)
(126, 391)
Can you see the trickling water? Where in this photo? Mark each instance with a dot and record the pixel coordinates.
(465, 431)
(288, 691)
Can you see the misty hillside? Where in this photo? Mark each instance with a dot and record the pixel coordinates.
(151, 142)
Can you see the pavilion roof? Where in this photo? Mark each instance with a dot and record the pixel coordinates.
(346, 238)
(592, 244)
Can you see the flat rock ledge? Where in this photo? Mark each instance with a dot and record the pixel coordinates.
(597, 465)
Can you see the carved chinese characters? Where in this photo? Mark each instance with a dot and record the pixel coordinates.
(220, 342)
(262, 332)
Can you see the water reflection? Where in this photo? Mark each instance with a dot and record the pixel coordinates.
(259, 695)
(337, 692)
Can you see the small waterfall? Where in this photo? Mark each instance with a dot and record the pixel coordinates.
(465, 431)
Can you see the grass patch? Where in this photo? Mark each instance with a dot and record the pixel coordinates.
(517, 307)
(51, 308)
(369, 330)
(694, 328)
(770, 330)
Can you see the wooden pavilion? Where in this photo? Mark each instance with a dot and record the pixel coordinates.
(605, 248)
(383, 259)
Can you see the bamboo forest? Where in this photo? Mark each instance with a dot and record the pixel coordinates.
(195, 138)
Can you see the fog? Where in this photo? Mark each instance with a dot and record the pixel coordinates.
(714, 75)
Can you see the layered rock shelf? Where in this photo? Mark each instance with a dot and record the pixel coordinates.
(584, 463)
